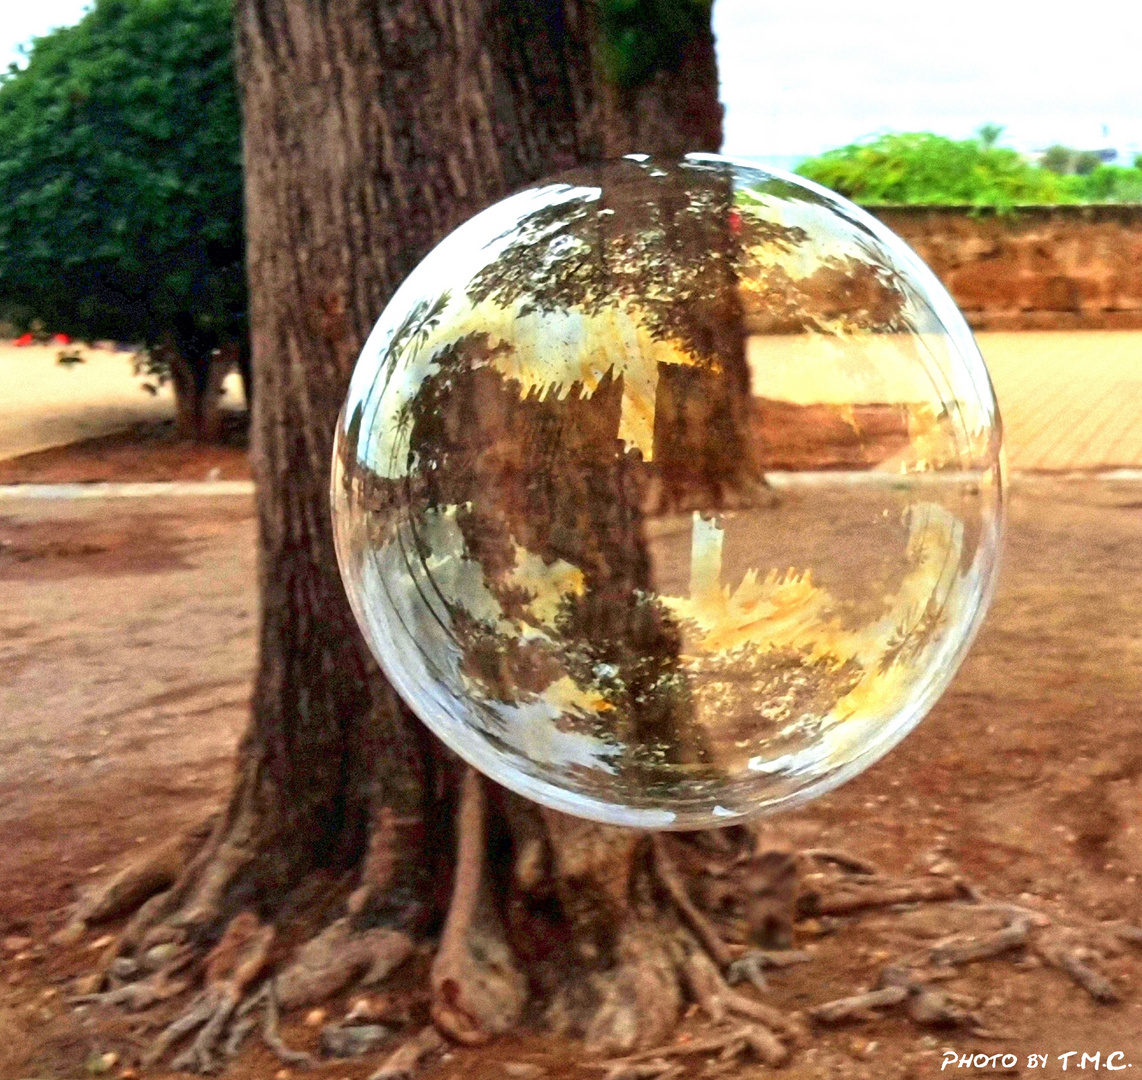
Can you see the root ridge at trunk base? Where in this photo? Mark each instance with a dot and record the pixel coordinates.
(646, 943)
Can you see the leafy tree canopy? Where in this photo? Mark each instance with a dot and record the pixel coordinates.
(121, 179)
(641, 37)
(923, 168)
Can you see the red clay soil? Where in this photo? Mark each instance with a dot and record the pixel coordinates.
(150, 451)
(1025, 779)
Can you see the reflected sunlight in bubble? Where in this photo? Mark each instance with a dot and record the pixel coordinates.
(668, 494)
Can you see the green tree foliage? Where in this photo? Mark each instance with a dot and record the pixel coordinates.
(1066, 162)
(989, 135)
(121, 179)
(641, 37)
(930, 169)
(1110, 183)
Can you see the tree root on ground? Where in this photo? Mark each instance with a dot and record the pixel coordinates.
(639, 1001)
(403, 1062)
(1073, 953)
(271, 1035)
(730, 1044)
(865, 893)
(224, 1012)
(676, 887)
(690, 923)
(751, 968)
(233, 964)
(328, 963)
(135, 883)
(907, 984)
(477, 989)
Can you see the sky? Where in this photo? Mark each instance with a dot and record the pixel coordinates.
(803, 77)
(21, 20)
(798, 78)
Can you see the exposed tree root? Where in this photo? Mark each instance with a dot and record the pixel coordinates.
(402, 1063)
(1124, 932)
(271, 1035)
(138, 881)
(1070, 954)
(857, 896)
(676, 887)
(139, 995)
(232, 966)
(751, 968)
(336, 957)
(854, 864)
(719, 1001)
(652, 927)
(858, 1006)
(729, 1044)
(477, 989)
(957, 951)
(908, 985)
(639, 1000)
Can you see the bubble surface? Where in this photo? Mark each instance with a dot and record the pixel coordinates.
(668, 494)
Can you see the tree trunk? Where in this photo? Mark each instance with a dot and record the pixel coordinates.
(371, 131)
(198, 389)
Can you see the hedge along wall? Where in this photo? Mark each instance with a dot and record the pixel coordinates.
(1034, 268)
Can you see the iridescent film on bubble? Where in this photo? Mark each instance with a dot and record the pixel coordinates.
(667, 494)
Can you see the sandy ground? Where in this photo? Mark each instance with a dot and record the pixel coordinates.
(1069, 401)
(126, 650)
(48, 404)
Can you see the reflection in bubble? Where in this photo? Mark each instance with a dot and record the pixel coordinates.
(668, 494)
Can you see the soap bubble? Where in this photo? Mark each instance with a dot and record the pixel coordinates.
(668, 494)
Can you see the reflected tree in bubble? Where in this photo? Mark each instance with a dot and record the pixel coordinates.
(669, 493)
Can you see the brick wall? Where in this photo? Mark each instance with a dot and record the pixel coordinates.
(1036, 268)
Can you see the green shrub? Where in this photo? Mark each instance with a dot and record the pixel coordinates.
(930, 169)
(924, 168)
(1109, 183)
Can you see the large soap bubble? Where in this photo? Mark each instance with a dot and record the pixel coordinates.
(667, 494)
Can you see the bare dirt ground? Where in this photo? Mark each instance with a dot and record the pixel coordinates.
(126, 650)
(148, 450)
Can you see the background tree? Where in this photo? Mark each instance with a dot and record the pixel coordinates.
(989, 135)
(121, 190)
(1067, 162)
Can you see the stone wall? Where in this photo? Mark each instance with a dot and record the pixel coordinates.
(1036, 268)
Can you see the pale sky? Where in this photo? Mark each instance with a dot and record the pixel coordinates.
(21, 20)
(798, 78)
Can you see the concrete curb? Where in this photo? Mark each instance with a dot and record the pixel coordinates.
(210, 488)
(140, 490)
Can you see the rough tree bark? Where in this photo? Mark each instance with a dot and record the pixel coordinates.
(371, 130)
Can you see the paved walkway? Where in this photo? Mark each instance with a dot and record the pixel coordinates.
(1069, 400)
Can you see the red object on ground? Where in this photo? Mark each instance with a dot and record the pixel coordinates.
(60, 339)
(25, 339)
